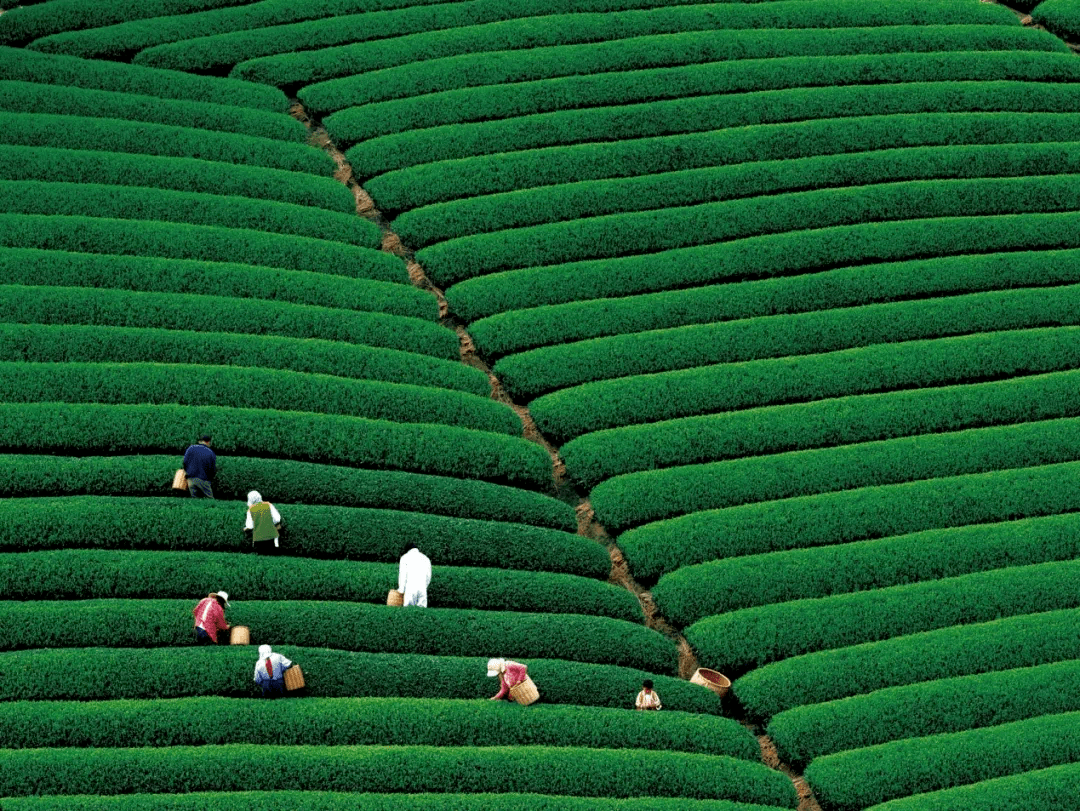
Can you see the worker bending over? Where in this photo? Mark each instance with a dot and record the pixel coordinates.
(263, 522)
(270, 672)
(210, 618)
(510, 674)
(414, 576)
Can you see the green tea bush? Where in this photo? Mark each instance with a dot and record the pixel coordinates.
(850, 515)
(87, 429)
(345, 533)
(304, 482)
(246, 387)
(1033, 791)
(1060, 16)
(753, 636)
(926, 708)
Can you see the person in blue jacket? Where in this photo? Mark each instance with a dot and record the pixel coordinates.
(200, 465)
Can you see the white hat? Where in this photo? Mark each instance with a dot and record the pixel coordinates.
(254, 498)
(224, 595)
(264, 651)
(495, 666)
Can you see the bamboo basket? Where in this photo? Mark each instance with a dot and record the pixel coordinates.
(525, 693)
(395, 598)
(179, 480)
(294, 678)
(713, 680)
(240, 635)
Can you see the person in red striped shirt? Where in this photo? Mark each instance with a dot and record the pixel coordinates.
(210, 617)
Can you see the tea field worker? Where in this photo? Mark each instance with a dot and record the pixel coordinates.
(647, 699)
(210, 618)
(509, 673)
(414, 576)
(263, 522)
(200, 465)
(270, 672)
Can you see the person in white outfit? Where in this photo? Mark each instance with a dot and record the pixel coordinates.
(414, 576)
(270, 671)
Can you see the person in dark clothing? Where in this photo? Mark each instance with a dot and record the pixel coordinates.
(200, 465)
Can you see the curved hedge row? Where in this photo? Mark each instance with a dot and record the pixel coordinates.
(927, 708)
(326, 438)
(76, 132)
(850, 515)
(69, 306)
(698, 591)
(1061, 16)
(304, 482)
(346, 533)
(829, 676)
(370, 722)
(72, 574)
(116, 673)
(751, 637)
(196, 208)
(903, 768)
(344, 626)
(1034, 791)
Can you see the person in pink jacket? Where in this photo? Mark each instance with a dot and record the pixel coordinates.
(210, 618)
(509, 673)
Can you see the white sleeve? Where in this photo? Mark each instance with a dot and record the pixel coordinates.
(275, 514)
(403, 571)
(285, 663)
(249, 523)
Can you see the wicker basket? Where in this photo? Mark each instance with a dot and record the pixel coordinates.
(240, 635)
(525, 693)
(179, 480)
(715, 681)
(395, 598)
(294, 678)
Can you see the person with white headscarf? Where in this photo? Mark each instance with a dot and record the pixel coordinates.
(414, 576)
(510, 674)
(270, 671)
(264, 523)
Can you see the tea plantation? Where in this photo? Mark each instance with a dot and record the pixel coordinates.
(784, 293)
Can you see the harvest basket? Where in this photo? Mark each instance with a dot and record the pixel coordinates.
(525, 693)
(240, 635)
(712, 679)
(294, 678)
(395, 598)
(179, 480)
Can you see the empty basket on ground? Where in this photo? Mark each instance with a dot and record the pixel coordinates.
(294, 678)
(179, 480)
(240, 635)
(395, 597)
(525, 693)
(717, 682)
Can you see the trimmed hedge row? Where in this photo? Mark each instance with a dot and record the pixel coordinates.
(25, 65)
(303, 482)
(1034, 791)
(114, 673)
(855, 780)
(76, 132)
(196, 208)
(828, 676)
(1060, 16)
(203, 242)
(345, 533)
(345, 626)
(370, 722)
(698, 591)
(310, 66)
(179, 174)
(31, 97)
(38, 268)
(662, 50)
(324, 438)
(122, 308)
(927, 708)
(751, 637)
(528, 374)
(72, 574)
(570, 770)
(850, 515)
(252, 388)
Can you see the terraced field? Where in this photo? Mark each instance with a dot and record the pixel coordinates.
(763, 317)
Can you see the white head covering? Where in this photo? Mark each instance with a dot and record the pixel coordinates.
(224, 595)
(264, 651)
(496, 666)
(254, 498)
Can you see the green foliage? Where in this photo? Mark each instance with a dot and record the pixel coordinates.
(72, 574)
(25, 65)
(829, 676)
(346, 533)
(87, 429)
(247, 387)
(751, 637)
(176, 311)
(203, 242)
(76, 132)
(855, 780)
(303, 482)
(851, 515)
(1060, 16)
(926, 708)
(120, 202)
(1035, 791)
